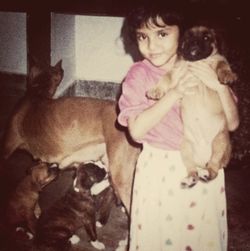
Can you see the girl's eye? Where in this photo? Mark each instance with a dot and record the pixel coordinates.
(162, 34)
(141, 37)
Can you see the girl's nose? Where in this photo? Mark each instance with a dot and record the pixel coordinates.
(152, 44)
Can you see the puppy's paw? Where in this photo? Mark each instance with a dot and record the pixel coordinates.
(204, 174)
(212, 172)
(123, 209)
(155, 93)
(25, 234)
(74, 239)
(98, 224)
(226, 76)
(30, 235)
(98, 245)
(189, 181)
(122, 246)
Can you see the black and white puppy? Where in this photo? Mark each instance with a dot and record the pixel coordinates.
(75, 210)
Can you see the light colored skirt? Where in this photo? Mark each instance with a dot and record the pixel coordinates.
(166, 217)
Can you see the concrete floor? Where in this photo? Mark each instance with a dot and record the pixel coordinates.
(237, 180)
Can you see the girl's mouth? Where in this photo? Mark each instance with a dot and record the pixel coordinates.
(154, 55)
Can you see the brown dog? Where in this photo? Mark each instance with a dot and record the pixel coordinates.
(206, 141)
(78, 208)
(23, 208)
(71, 130)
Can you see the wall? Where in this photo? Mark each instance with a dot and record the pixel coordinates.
(99, 49)
(13, 52)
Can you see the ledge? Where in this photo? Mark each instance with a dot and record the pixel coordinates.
(94, 89)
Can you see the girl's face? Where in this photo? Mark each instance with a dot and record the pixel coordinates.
(158, 44)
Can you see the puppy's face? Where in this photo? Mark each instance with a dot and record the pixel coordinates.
(42, 174)
(87, 175)
(197, 43)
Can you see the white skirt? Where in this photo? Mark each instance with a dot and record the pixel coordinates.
(166, 217)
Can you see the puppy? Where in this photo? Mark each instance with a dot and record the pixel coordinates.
(23, 208)
(75, 210)
(206, 141)
(71, 130)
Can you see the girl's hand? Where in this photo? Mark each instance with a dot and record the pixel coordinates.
(206, 74)
(182, 80)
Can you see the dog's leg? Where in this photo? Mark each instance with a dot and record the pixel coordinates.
(12, 141)
(37, 210)
(225, 73)
(221, 151)
(186, 154)
(31, 222)
(90, 225)
(122, 161)
(104, 202)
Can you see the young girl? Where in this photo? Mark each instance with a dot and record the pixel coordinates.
(164, 216)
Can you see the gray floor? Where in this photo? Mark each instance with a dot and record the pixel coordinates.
(237, 179)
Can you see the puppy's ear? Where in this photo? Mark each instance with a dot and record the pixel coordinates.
(220, 41)
(29, 170)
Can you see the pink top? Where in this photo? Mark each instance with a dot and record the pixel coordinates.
(141, 77)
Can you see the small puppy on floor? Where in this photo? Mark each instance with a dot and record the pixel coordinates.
(22, 208)
(75, 210)
(206, 141)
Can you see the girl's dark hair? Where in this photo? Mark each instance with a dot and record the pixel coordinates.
(141, 15)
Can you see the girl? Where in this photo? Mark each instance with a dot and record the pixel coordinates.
(164, 216)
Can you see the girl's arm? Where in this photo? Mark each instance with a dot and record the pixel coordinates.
(208, 76)
(139, 125)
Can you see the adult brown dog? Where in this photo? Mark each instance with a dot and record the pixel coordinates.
(70, 130)
(206, 141)
(23, 208)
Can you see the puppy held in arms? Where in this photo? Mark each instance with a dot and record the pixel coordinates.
(206, 145)
(57, 226)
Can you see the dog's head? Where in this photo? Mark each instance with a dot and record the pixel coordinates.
(87, 175)
(42, 174)
(197, 43)
(43, 81)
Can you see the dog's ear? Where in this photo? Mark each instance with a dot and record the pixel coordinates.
(219, 36)
(33, 73)
(58, 65)
(80, 180)
(35, 68)
(56, 78)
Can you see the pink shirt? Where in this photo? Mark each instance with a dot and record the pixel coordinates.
(141, 77)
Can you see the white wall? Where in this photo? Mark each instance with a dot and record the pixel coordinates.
(99, 49)
(13, 45)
